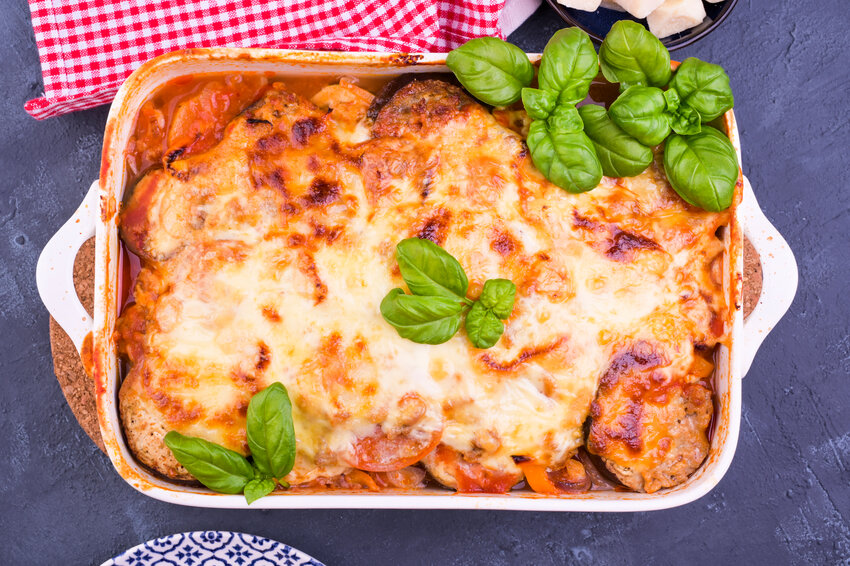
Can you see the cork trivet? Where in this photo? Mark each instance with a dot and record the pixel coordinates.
(78, 387)
(752, 278)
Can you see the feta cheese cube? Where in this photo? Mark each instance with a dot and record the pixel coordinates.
(586, 5)
(675, 16)
(639, 8)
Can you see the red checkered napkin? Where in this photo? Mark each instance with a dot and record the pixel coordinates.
(88, 47)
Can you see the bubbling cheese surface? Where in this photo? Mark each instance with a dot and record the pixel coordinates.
(267, 257)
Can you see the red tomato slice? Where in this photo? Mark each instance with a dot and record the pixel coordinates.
(472, 477)
(382, 453)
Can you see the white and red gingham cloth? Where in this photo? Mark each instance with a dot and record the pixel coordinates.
(88, 47)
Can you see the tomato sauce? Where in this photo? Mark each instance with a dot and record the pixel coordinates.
(189, 114)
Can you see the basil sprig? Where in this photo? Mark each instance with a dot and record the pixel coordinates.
(271, 438)
(559, 148)
(703, 87)
(493, 72)
(483, 324)
(573, 147)
(434, 312)
(700, 162)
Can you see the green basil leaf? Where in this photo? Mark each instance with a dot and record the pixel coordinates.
(639, 112)
(565, 118)
(483, 326)
(631, 55)
(704, 87)
(702, 168)
(217, 467)
(539, 103)
(258, 488)
(620, 154)
(492, 70)
(672, 100)
(424, 320)
(685, 120)
(271, 435)
(498, 295)
(567, 159)
(569, 65)
(428, 269)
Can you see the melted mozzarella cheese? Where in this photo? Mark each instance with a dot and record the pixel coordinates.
(262, 285)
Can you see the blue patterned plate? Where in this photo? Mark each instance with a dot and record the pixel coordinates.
(212, 548)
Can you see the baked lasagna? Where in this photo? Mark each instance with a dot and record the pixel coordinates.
(265, 255)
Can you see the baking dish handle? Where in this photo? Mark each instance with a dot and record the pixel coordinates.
(54, 273)
(779, 277)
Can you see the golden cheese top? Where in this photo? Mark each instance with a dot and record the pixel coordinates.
(266, 258)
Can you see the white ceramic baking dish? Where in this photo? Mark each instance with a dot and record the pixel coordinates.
(97, 216)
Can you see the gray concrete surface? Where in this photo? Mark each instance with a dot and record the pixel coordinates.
(785, 500)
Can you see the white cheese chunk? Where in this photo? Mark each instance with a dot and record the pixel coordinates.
(611, 5)
(586, 5)
(675, 16)
(639, 8)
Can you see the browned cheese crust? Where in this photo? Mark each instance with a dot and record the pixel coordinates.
(266, 257)
(648, 425)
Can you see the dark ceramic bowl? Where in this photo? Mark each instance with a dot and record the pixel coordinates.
(597, 23)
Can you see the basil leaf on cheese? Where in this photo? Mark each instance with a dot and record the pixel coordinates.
(434, 311)
(428, 269)
(218, 468)
(271, 435)
(422, 319)
(498, 295)
(483, 326)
